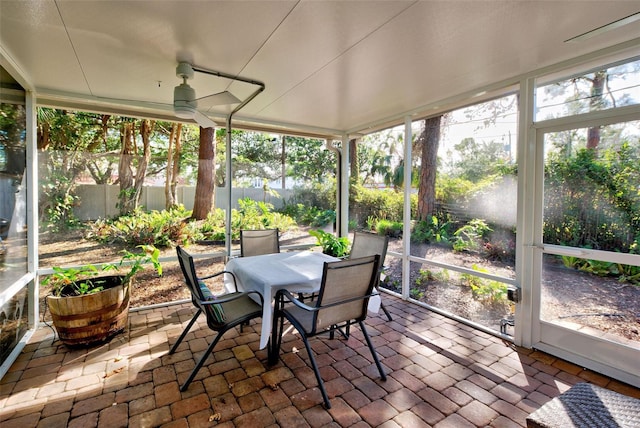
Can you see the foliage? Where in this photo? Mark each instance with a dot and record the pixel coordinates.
(469, 237)
(76, 281)
(380, 159)
(323, 218)
(368, 203)
(250, 215)
(331, 244)
(424, 276)
(76, 278)
(453, 189)
(319, 195)
(308, 160)
(488, 291)
(136, 262)
(60, 200)
(158, 228)
(624, 273)
(591, 198)
(476, 160)
(256, 155)
(500, 247)
(432, 231)
(212, 228)
(389, 228)
(259, 215)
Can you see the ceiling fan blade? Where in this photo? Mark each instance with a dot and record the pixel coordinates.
(203, 120)
(221, 98)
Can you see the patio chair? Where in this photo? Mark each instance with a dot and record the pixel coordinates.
(258, 242)
(342, 300)
(223, 312)
(368, 244)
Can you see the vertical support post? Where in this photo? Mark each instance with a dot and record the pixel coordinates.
(406, 215)
(32, 207)
(526, 266)
(283, 160)
(228, 179)
(343, 223)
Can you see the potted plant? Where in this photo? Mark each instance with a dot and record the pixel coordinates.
(332, 245)
(87, 307)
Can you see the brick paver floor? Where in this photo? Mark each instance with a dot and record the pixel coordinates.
(441, 373)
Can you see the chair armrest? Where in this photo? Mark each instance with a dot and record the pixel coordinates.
(222, 299)
(292, 299)
(298, 303)
(235, 282)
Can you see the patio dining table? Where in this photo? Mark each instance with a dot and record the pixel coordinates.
(296, 271)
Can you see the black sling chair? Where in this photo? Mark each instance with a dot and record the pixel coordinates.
(342, 300)
(223, 312)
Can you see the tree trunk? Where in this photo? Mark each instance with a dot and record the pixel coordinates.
(354, 171)
(169, 184)
(429, 140)
(44, 136)
(168, 196)
(100, 177)
(177, 152)
(204, 197)
(146, 126)
(125, 173)
(597, 88)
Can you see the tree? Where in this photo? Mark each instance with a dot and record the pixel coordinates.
(475, 161)
(130, 183)
(173, 165)
(63, 137)
(594, 91)
(205, 188)
(354, 167)
(309, 160)
(146, 127)
(596, 102)
(125, 170)
(429, 141)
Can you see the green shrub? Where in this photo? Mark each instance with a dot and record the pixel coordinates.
(324, 218)
(624, 273)
(58, 208)
(250, 215)
(213, 227)
(320, 195)
(485, 290)
(336, 246)
(469, 237)
(310, 215)
(389, 228)
(424, 276)
(158, 228)
(382, 204)
(431, 231)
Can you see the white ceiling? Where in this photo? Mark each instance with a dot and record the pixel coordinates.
(328, 66)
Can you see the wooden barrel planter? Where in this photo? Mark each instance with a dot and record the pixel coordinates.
(91, 318)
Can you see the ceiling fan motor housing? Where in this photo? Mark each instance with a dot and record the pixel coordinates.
(184, 101)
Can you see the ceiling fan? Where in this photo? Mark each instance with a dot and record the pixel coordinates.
(185, 103)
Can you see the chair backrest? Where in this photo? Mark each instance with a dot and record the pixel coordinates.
(344, 291)
(200, 292)
(190, 277)
(368, 244)
(258, 242)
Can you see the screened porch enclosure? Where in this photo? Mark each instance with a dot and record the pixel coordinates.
(540, 193)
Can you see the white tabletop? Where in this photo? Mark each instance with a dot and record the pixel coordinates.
(298, 271)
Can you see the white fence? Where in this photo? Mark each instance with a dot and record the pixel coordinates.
(99, 200)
